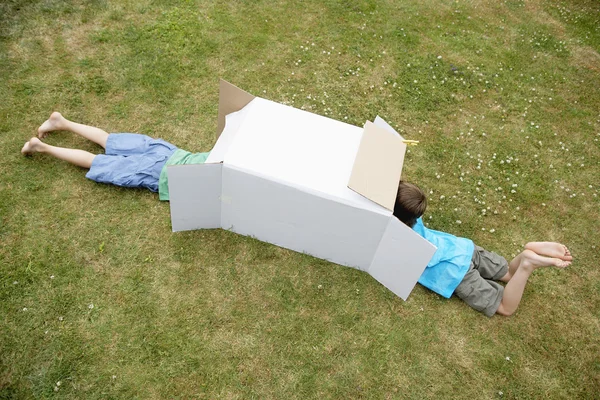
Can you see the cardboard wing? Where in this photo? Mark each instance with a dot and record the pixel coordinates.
(231, 99)
(378, 165)
(281, 175)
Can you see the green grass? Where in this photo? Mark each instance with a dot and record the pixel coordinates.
(97, 293)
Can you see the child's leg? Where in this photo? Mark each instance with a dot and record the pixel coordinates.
(524, 264)
(57, 122)
(513, 265)
(77, 157)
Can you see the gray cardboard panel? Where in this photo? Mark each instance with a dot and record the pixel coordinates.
(299, 220)
(195, 196)
(401, 258)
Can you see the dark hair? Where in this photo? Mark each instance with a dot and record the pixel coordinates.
(410, 204)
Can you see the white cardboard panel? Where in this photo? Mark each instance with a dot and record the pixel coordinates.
(401, 258)
(298, 148)
(195, 196)
(299, 220)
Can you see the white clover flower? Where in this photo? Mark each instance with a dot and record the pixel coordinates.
(90, 306)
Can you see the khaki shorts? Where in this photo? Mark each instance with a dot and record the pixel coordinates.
(478, 288)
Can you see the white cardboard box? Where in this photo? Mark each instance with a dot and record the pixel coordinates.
(304, 182)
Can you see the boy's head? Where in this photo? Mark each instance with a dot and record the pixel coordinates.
(410, 204)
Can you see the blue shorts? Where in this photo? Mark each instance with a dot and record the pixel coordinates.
(131, 160)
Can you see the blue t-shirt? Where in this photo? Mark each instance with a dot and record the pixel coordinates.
(449, 263)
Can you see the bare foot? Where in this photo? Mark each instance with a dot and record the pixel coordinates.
(54, 123)
(534, 260)
(33, 146)
(550, 249)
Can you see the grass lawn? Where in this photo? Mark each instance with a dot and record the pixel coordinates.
(100, 300)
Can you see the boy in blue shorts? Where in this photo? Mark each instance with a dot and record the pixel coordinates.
(130, 159)
(459, 266)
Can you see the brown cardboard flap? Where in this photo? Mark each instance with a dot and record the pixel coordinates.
(231, 99)
(378, 165)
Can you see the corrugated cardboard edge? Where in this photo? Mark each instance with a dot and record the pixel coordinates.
(378, 165)
(231, 99)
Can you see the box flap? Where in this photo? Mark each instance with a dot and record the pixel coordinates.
(195, 196)
(378, 165)
(233, 122)
(380, 122)
(401, 258)
(231, 99)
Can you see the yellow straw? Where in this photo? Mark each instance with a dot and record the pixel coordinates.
(410, 142)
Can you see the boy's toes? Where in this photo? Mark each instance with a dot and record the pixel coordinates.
(563, 264)
(567, 256)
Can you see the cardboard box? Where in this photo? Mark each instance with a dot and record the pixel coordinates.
(304, 182)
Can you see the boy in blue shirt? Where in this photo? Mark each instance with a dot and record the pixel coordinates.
(459, 266)
(130, 159)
